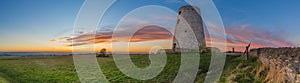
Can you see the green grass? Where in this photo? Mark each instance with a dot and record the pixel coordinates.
(2, 80)
(38, 69)
(239, 70)
(61, 69)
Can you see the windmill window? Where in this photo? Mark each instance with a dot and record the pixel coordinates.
(179, 12)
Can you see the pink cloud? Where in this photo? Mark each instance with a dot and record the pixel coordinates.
(240, 36)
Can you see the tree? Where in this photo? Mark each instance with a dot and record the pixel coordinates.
(102, 53)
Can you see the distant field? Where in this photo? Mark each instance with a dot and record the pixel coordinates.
(61, 69)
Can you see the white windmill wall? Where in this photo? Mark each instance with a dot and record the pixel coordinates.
(189, 25)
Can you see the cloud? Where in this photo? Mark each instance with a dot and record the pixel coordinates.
(237, 37)
(59, 39)
(145, 34)
(151, 33)
(258, 37)
(53, 41)
(240, 36)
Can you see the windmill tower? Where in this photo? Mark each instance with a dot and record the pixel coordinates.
(189, 26)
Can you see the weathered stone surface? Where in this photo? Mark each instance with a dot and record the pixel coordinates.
(189, 32)
(298, 78)
(283, 63)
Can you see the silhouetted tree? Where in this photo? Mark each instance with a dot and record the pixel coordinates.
(102, 53)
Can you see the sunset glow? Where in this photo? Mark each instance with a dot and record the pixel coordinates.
(48, 27)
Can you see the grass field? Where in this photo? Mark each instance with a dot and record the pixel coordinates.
(2, 79)
(61, 69)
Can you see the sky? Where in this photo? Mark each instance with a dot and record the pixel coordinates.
(47, 25)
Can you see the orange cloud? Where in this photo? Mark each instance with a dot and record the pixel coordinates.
(151, 33)
(53, 41)
(146, 34)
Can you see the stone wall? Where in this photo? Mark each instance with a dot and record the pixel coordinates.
(282, 63)
(200, 50)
